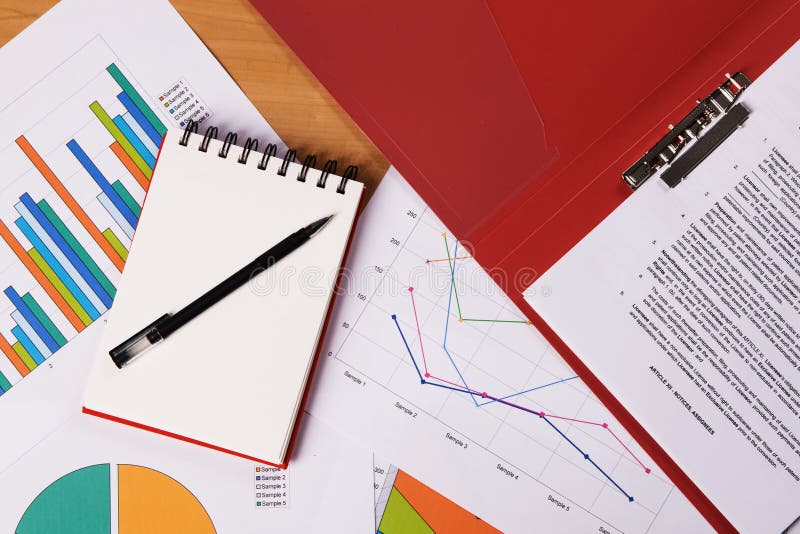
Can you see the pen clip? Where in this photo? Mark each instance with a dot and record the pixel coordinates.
(138, 343)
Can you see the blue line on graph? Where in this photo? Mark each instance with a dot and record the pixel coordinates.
(447, 326)
(501, 400)
(518, 407)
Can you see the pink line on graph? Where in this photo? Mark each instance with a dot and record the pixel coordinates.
(454, 384)
(419, 332)
(646, 469)
(485, 395)
(571, 419)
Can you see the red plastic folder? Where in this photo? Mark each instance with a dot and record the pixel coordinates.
(515, 120)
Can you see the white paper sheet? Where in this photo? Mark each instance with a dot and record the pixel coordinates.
(503, 462)
(683, 302)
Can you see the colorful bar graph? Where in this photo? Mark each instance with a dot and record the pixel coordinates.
(13, 357)
(101, 181)
(31, 334)
(140, 134)
(84, 256)
(116, 243)
(115, 132)
(128, 89)
(58, 258)
(126, 197)
(71, 203)
(48, 324)
(56, 266)
(26, 342)
(41, 277)
(72, 304)
(42, 332)
(140, 178)
(61, 249)
(137, 115)
(5, 385)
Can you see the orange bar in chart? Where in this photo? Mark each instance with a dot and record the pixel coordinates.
(130, 165)
(13, 357)
(71, 203)
(40, 277)
(440, 513)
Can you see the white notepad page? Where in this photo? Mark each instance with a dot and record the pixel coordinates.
(233, 377)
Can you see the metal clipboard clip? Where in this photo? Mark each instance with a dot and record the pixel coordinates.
(689, 142)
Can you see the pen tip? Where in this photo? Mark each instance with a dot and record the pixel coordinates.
(316, 226)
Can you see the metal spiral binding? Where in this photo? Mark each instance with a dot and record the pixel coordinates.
(349, 174)
(309, 162)
(211, 131)
(290, 156)
(270, 151)
(191, 127)
(230, 138)
(250, 144)
(330, 167)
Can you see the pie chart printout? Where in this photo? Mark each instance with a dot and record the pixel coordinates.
(145, 500)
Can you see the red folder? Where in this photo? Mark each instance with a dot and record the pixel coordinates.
(515, 120)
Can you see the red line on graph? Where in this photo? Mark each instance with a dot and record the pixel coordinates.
(419, 333)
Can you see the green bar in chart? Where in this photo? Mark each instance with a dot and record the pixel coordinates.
(5, 385)
(134, 95)
(24, 356)
(51, 328)
(115, 132)
(115, 243)
(127, 198)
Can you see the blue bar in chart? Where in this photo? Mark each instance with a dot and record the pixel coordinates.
(112, 210)
(30, 316)
(57, 268)
(149, 158)
(31, 333)
(139, 117)
(100, 180)
(94, 284)
(26, 342)
(60, 257)
(139, 133)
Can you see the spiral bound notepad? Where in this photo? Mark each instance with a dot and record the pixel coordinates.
(234, 378)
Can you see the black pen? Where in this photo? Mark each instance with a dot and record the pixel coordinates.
(168, 323)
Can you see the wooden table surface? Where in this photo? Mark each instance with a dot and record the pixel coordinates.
(273, 78)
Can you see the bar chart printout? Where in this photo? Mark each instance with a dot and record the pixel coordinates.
(69, 216)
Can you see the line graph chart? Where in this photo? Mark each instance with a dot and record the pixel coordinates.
(429, 363)
(426, 378)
